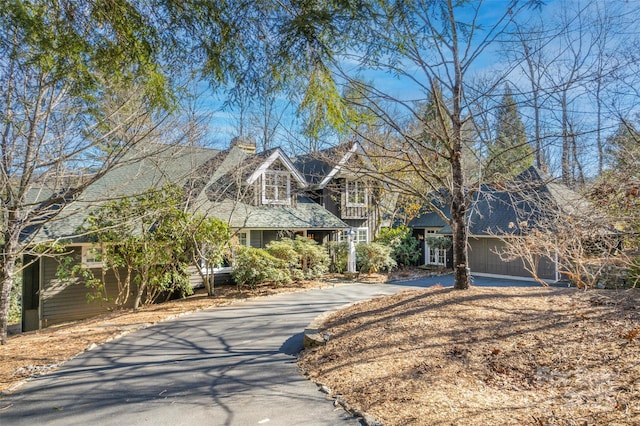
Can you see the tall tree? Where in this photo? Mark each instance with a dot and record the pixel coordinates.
(509, 152)
(532, 63)
(579, 75)
(429, 45)
(70, 109)
(623, 150)
(71, 71)
(617, 189)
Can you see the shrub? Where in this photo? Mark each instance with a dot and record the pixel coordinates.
(386, 236)
(405, 247)
(374, 257)
(370, 258)
(15, 300)
(305, 258)
(284, 250)
(339, 252)
(254, 266)
(314, 259)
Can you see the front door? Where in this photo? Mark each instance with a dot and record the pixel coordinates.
(30, 294)
(435, 256)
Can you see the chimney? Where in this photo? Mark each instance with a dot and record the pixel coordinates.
(245, 143)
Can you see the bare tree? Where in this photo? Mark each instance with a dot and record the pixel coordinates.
(71, 109)
(433, 46)
(559, 227)
(570, 68)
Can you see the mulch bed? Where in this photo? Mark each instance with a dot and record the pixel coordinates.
(484, 356)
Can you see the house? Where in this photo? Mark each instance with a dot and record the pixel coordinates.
(339, 182)
(498, 212)
(262, 196)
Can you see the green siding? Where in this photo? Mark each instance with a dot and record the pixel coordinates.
(483, 258)
(62, 300)
(256, 239)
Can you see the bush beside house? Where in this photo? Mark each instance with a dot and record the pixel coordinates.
(305, 258)
(253, 266)
(281, 262)
(370, 257)
(405, 248)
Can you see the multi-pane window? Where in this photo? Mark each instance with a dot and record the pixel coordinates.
(276, 187)
(356, 193)
(92, 256)
(360, 235)
(243, 238)
(434, 255)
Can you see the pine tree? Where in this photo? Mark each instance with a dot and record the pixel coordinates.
(509, 153)
(622, 152)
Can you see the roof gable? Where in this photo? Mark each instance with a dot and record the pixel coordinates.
(530, 200)
(275, 155)
(321, 167)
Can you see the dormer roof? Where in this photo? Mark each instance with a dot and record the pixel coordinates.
(320, 167)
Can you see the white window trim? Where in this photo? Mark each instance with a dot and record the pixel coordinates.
(343, 235)
(366, 235)
(279, 174)
(247, 238)
(438, 253)
(359, 187)
(86, 249)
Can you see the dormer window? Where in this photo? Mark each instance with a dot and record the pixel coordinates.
(276, 187)
(356, 193)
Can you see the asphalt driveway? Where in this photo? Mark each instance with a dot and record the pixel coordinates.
(226, 366)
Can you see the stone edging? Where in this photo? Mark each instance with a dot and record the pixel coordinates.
(313, 338)
(312, 335)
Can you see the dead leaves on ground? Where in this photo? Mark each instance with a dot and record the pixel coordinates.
(526, 356)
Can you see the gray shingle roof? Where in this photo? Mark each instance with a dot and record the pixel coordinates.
(196, 169)
(317, 165)
(149, 166)
(305, 215)
(528, 201)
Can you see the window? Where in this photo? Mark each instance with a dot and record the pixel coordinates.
(276, 187)
(243, 238)
(437, 256)
(356, 194)
(92, 256)
(360, 235)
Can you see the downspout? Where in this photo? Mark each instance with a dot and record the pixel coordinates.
(40, 289)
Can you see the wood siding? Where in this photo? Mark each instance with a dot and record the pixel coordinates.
(260, 238)
(62, 300)
(334, 200)
(483, 259)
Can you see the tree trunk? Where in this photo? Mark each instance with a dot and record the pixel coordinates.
(458, 205)
(209, 280)
(458, 221)
(137, 301)
(7, 273)
(141, 288)
(566, 143)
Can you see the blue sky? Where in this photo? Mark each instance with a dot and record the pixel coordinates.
(223, 125)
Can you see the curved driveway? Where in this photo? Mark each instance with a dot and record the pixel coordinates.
(225, 366)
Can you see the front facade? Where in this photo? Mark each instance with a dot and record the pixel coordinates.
(262, 197)
(339, 183)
